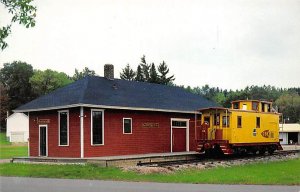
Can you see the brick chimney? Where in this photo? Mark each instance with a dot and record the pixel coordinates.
(109, 71)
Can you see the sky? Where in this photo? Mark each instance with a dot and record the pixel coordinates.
(229, 44)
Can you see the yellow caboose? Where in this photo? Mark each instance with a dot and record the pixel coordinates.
(248, 126)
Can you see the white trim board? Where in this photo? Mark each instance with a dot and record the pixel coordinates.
(187, 138)
(108, 107)
(81, 133)
(43, 125)
(92, 110)
(130, 126)
(68, 133)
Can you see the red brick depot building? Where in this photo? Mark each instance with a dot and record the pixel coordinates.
(103, 116)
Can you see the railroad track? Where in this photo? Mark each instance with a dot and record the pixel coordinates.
(205, 160)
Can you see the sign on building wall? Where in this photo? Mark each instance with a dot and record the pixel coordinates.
(150, 125)
(43, 121)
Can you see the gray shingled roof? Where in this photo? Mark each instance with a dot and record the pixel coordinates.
(121, 94)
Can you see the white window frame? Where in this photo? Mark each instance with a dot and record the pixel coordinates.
(130, 125)
(59, 112)
(95, 110)
(44, 125)
(187, 131)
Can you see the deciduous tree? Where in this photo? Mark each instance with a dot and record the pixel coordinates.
(46, 81)
(22, 12)
(4, 103)
(289, 105)
(15, 78)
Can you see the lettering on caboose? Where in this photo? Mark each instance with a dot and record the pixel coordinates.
(266, 133)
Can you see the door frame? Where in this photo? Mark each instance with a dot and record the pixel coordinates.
(187, 128)
(43, 125)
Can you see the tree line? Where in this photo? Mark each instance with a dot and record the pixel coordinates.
(148, 72)
(20, 83)
(285, 101)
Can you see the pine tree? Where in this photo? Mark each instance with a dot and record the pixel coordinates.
(164, 70)
(127, 73)
(153, 76)
(145, 69)
(139, 74)
(81, 74)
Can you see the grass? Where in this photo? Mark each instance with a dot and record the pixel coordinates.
(8, 150)
(272, 173)
(3, 140)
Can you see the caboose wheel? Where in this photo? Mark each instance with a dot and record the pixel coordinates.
(262, 151)
(271, 151)
(208, 152)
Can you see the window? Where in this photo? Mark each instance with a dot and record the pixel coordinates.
(236, 105)
(225, 121)
(63, 126)
(244, 106)
(255, 106)
(217, 119)
(207, 120)
(263, 107)
(97, 119)
(257, 122)
(239, 121)
(179, 124)
(127, 125)
(268, 108)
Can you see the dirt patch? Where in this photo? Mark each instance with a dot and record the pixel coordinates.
(148, 170)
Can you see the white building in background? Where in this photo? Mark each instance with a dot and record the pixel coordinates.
(289, 133)
(17, 127)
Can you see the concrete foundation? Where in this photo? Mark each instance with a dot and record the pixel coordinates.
(112, 161)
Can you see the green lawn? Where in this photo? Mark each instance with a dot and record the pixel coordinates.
(273, 173)
(3, 140)
(7, 150)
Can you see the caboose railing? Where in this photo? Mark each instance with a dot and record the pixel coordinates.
(203, 133)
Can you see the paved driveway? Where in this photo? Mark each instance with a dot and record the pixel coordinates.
(18, 184)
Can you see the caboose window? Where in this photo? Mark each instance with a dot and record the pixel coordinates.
(257, 122)
(255, 105)
(236, 105)
(225, 121)
(217, 119)
(239, 121)
(207, 120)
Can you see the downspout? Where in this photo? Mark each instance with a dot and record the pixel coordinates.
(196, 126)
(226, 118)
(226, 124)
(81, 134)
(28, 140)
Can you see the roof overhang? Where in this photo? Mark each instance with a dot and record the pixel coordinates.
(213, 108)
(106, 107)
(289, 131)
